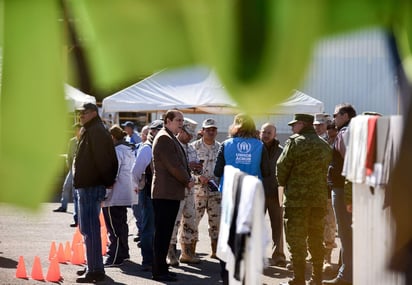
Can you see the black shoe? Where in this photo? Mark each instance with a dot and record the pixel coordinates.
(81, 272)
(73, 225)
(336, 281)
(279, 262)
(91, 277)
(113, 263)
(165, 278)
(172, 274)
(60, 210)
(147, 268)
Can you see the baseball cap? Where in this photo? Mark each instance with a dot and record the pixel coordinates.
(88, 106)
(320, 119)
(209, 123)
(156, 125)
(128, 124)
(302, 117)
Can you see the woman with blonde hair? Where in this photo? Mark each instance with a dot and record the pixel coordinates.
(243, 150)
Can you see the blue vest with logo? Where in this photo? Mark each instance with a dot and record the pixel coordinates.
(245, 154)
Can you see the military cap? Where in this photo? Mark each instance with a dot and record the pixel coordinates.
(189, 126)
(302, 117)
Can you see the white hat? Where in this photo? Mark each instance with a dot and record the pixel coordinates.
(320, 118)
(209, 123)
(189, 126)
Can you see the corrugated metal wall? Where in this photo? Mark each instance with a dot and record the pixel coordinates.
(355, 68)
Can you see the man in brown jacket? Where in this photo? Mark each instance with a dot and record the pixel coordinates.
(171, 176)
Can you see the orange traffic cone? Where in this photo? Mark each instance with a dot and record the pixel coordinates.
(21, 269)
(101, 218)
(53, 251)
(60, 254)
(37, 270)
(53, 274)
(78, 254)
(103, 235)
(77, 238)
(67, 251)
(82, 253)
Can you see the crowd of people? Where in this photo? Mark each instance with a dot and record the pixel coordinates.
(170, 176)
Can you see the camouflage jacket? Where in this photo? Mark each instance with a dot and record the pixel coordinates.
(208, 155)
(302, 169)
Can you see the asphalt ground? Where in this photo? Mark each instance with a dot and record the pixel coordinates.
(30, 234)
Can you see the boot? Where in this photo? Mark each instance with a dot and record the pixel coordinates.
(187, 255)
(299, 275)
(214, 247)
(294, 281)
(316, 278)
(171, 255)
(193, 247)
(327, 265)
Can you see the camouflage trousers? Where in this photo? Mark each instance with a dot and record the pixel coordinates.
(304, 228)
(185, 224)
(210, 202)
(330, 227)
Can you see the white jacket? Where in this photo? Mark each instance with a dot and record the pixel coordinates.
(122, 193)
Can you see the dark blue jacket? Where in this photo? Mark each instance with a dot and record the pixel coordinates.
(246, 154)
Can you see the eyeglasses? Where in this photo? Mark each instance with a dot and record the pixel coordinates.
(85, 112)
(338, 113)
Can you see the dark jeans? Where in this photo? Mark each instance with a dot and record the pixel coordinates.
(276, 222)
(115, 218)
(75, 206)
(67, 188)
(147, 228)
(90, 199)
(137, 213)
(165, 212)
(344, 221)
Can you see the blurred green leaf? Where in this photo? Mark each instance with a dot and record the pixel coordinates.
(346, 15)
(125, 39)
(33, 111)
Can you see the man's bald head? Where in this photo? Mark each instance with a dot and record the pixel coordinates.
(267, 133)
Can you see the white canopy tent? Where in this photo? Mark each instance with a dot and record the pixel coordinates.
(76, 98)
(192, 90)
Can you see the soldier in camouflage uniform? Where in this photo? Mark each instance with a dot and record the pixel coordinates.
(207, 196)
(301, 170)
(186, 217)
